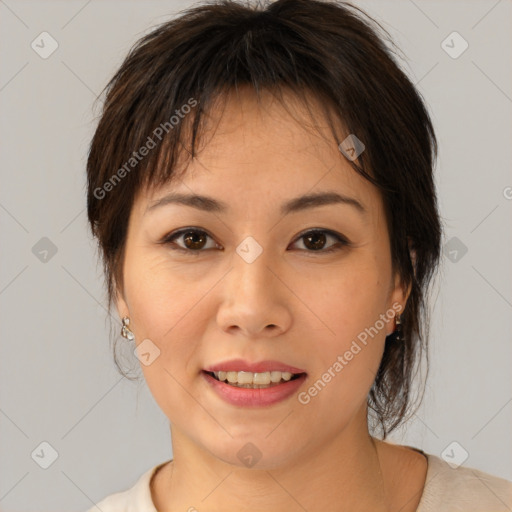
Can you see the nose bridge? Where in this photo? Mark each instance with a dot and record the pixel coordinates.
(251, 262)
(252, 300)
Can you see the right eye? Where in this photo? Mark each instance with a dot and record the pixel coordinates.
(193, 240)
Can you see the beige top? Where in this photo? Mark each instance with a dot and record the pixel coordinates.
(446, 489)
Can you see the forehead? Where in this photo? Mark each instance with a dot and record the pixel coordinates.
(266, 149)
(251, 127)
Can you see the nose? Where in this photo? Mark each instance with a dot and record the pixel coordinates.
(255, 299)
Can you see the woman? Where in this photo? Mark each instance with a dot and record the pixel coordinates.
(260, 184)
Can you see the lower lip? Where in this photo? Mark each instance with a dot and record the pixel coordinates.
(247, 397)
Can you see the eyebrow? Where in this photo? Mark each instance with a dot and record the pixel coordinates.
(305, 202)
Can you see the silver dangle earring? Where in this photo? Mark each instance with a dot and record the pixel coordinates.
(125, 330)
(397, 334)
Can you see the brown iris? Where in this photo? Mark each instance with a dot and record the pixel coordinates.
(317, 240)
(194, 240)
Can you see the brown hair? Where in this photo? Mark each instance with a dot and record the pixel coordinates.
(331, 50)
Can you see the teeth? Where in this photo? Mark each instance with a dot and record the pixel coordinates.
(253, 380)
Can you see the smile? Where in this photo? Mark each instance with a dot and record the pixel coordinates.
(254, 380)
(245, 389)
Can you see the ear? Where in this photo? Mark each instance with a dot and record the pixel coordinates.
(121, 304)
(412, 254)
(400, 292)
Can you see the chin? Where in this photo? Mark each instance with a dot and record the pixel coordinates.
(254, 451)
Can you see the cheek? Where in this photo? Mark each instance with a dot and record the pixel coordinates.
(170, 375)
(164, 309)
(351, 298)
(160, 296)
(352, 309)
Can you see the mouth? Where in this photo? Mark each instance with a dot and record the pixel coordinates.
(253, 384)
(254, 380)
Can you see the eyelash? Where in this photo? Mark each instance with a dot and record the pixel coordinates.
(169, 240)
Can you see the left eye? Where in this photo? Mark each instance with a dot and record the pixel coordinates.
(194, 240)
(315, 240)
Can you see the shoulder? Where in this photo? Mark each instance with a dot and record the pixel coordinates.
(135, 499)
(463, 489)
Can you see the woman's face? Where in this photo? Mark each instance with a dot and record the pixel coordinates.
(256, 286)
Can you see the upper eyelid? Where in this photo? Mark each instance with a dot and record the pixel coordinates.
(180, 232)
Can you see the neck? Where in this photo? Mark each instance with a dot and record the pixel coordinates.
(344, 475)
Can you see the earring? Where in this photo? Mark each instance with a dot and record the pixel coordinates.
(125, 330)
(397, 334)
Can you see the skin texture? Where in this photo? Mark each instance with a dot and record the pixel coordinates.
(292, 304)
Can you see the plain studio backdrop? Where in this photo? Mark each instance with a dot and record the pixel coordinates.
(72, 430)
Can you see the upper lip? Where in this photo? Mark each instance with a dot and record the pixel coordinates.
(239, 365)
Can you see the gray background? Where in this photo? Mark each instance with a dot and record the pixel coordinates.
(58, 382)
